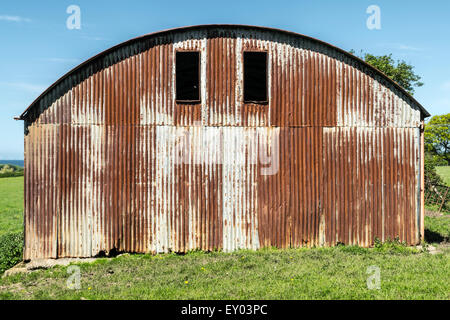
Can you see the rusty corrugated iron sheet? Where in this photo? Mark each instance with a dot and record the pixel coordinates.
(112, 162)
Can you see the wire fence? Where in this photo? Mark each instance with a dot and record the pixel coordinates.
(438, 195)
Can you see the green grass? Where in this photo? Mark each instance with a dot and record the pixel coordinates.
(321, 273)
(11, 204)
(435, 208)
(438, 228)
(444, 172)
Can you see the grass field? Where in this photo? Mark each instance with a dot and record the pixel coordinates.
(444, 172)
(438, 228)
(319, 273)
(11, 204)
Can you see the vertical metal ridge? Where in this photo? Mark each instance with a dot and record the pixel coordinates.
(102, 171)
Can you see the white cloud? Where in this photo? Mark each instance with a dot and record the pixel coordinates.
(401, 46)
(62, 60)
(14, 18)
(94, 38)
(30, 87)
(446, 86)
(407, 47)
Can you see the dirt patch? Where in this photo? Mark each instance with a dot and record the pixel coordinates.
(49, 263)
(444, 246)
(37, 264)
(433, 214)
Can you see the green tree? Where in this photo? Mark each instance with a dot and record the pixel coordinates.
(437, 137)
(399, 71)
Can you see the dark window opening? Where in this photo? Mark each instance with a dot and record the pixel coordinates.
(255, 76)
(187, 76)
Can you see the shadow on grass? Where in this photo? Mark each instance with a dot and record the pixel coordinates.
(431, 236)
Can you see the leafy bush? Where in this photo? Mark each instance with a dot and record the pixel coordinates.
(11, 174)
(393, 246)
(437, 137)
(439, 161)
(431, 176)
(10, 170)
(434, 185)
(11, 248)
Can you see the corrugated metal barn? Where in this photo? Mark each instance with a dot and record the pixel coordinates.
(221, 137)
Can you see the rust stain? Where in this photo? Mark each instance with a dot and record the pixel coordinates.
(103, 169)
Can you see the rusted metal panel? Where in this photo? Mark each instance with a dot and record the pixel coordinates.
(372, 190)
(41, 217)
(308, 86)
(113, 162)
(289, 201)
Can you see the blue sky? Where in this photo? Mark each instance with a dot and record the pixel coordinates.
(37, 48)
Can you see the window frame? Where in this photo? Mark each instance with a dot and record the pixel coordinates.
(262, 102)
(184, 101)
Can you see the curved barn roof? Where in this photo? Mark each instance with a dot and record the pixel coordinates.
(91, 61)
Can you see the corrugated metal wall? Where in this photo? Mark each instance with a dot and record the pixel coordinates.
(103, 170)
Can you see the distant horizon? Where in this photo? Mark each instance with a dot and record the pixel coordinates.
(19, 162)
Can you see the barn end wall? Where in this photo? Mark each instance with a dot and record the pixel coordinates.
(112, 162)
